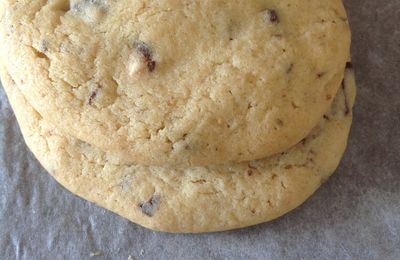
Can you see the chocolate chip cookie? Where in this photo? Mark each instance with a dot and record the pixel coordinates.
(178, 82)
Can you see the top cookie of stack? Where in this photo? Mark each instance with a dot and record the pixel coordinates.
(242, 81)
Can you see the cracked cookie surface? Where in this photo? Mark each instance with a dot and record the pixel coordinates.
(193, 199)
(178, 82)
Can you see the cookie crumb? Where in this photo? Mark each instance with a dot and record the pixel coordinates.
(93, 254)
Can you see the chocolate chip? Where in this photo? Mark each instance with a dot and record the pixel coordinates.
(327, 118)
(272, 16)
(349, 65)
(151, 66)
(150, 207)
(146, 54)
(143, 49)
(93, 95)
(290, 68)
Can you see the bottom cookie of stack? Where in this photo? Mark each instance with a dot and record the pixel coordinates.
(197, 199)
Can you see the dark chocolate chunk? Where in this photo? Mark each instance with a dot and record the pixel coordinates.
(272, 16)
(349, 65)
(143, 49)
(93, 95)
(151, 66)
(146, 54)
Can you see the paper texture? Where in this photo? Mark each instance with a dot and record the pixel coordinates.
(355, 215)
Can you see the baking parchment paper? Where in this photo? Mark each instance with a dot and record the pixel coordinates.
(355, 215)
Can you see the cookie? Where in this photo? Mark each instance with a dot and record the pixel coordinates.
(194, 199)
(178, 82)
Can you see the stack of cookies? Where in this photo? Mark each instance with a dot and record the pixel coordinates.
(182, 116)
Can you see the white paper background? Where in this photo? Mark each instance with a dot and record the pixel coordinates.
(355, 215)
